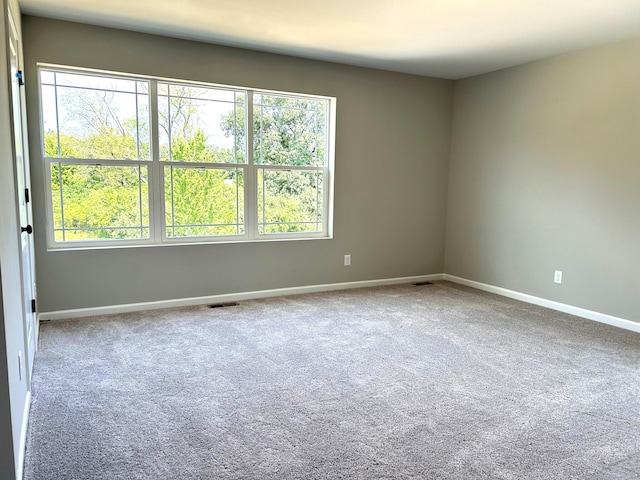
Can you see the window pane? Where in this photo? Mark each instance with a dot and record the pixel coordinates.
(204, 201)
(50, 125)
(95, 117)
(289, 131)
(95, 82)
(201, 124)
(143, 139)
(290, 201)
(46, 78)
(94, 202)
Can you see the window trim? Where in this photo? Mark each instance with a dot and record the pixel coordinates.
(156, 167)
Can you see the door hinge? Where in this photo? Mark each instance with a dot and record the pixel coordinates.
(19, 77)
(33, 305)
(26, 195)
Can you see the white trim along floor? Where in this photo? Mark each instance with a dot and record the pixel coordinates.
(235, 297)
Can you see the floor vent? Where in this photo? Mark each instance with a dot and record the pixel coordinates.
(221, 305)
(420, 284)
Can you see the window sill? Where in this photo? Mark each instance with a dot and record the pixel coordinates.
(182, 243)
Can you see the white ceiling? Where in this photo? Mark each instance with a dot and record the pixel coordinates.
(442, 38)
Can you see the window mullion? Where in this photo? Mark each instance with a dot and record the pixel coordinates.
(251, 180)
(329, 168)
(156, 190)
(61, 201)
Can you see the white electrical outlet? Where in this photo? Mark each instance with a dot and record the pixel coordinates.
(347, 260)
(557, 277)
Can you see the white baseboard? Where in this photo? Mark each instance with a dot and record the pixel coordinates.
(561, 307)
(278, 292)
(23, 437)
(230, 297)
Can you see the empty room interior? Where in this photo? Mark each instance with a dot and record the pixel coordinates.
(269, 240)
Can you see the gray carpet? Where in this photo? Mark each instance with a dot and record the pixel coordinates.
(403, 382)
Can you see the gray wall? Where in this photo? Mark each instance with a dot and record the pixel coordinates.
(13, 390)
(392, 151)
(545, 175)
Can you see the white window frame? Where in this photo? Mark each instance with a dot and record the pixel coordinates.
(156, 197)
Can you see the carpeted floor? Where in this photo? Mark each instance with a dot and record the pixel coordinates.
(403, 382)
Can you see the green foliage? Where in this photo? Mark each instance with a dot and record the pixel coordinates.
(108, 144)
(96, 201)
(200, 202)
(195, 149)
(280, 209)
(287, 131)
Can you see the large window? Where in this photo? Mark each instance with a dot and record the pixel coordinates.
(142, 160)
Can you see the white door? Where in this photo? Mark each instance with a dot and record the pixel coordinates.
(23, 200)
